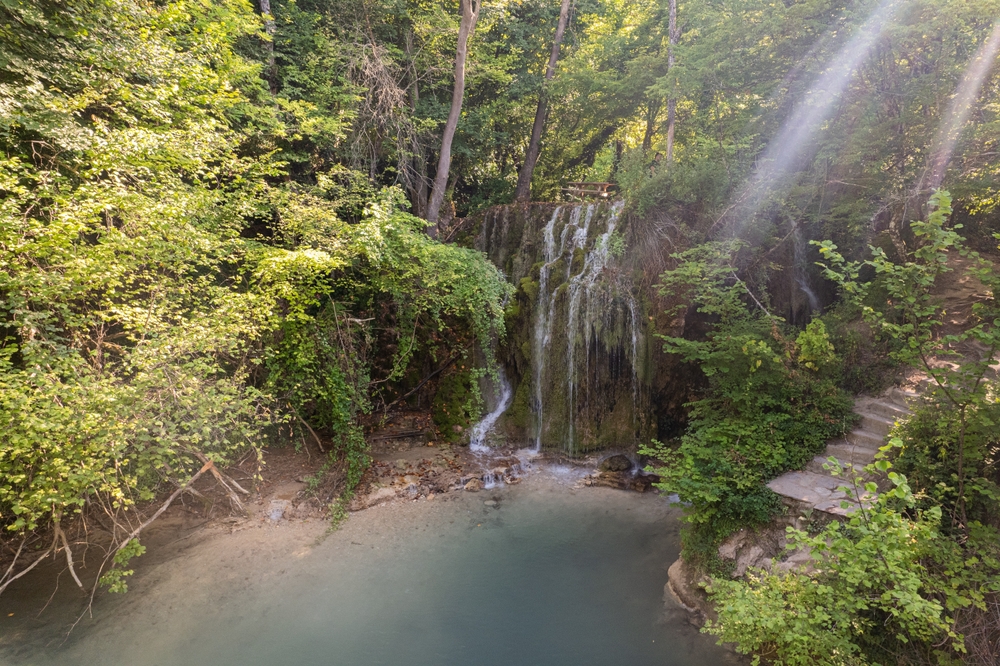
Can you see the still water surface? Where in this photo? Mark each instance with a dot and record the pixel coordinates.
(548, 576)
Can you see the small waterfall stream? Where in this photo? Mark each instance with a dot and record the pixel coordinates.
(477, 437)
(799, 268)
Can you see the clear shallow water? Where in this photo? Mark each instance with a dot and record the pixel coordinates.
(546, 577)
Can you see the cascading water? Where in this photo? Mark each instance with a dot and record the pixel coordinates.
(542, 321)
(477, 437)
(575, 342)
(580, 286)
(799, 268)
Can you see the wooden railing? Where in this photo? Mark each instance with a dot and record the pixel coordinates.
(585, 190)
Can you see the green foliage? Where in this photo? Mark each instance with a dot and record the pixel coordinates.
(114, 578)
(958, 422)
(908, 578)
(617, 244)
(455, 404)
(168, 286)
(887, 589)
(769, 406)
(866, 364)
(815, 351)
(124, 349)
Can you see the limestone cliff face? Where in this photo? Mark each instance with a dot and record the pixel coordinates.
(581, 355)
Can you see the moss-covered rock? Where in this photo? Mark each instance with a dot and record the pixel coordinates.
(453, 406)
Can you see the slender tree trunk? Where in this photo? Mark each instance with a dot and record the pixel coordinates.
(672, 100)
(652, 110)
(271, 73)
(617, 162)
(418, 161)
(523, 190)
(470, 14)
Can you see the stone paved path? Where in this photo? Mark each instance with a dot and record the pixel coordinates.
(814, 487)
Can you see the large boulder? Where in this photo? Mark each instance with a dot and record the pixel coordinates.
(616, 463)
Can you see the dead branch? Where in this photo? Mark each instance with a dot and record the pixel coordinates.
(219, 475)
(308, 427)
(48, 551)
(69, 553)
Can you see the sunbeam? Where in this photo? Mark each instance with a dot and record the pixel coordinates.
(959, 108)
(793, 142)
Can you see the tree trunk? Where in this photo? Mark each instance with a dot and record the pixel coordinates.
(470, 14)
(417, 176)
(672, 100)
(652, 110)
(523, 190)
(271, 73)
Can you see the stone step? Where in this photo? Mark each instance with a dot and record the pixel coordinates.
(808, 487)
(866, 439)
(877, 424)
(816, 464)
(884, 408)
(902, 397)
(849, 452)
(834, 506)
(816, 467)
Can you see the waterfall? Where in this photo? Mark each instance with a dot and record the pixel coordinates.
(575, 345)
(542, 320)
(799, 268)
(580, 286)
(477, 437)
(577, 296)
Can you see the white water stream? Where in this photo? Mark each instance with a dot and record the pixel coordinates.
(477, 436)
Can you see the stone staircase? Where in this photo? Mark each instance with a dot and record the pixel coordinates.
(814, 488)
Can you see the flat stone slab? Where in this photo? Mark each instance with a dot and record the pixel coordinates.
(866, 438)
(808, 487)
(884, 408)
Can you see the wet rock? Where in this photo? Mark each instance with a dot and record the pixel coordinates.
(377, 496)
(684, 586)
(474, 485)
(276, 510)
(457, 428)
(617, 463)
(641, 484)
(619, 480)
